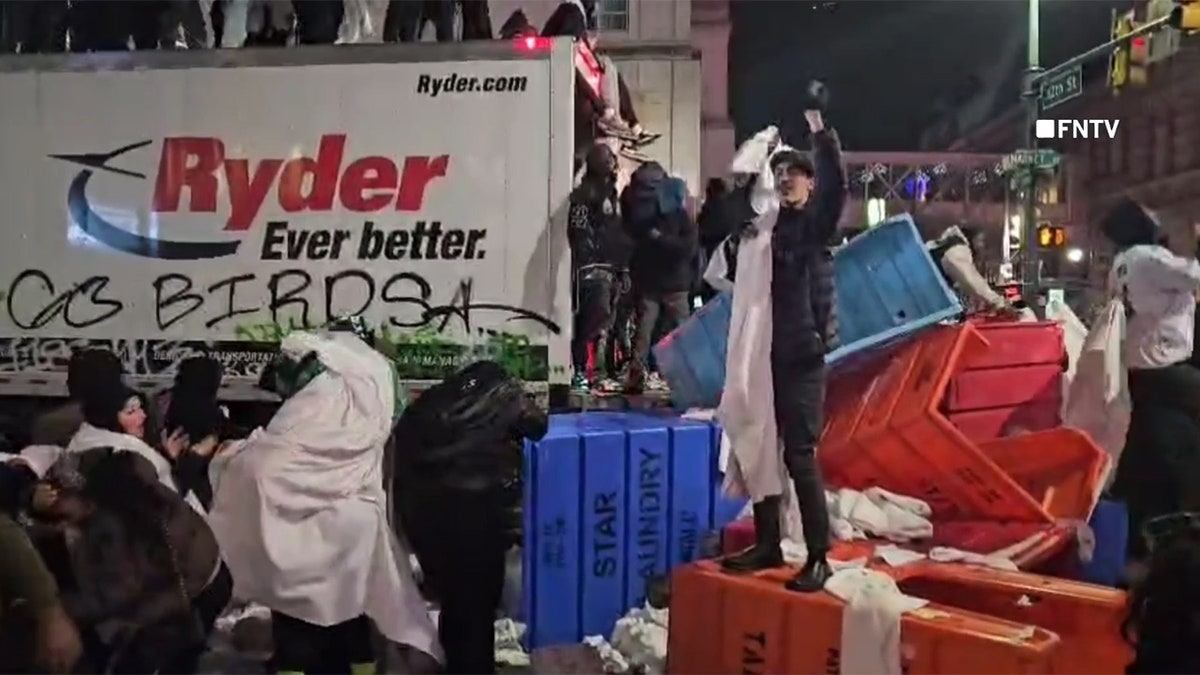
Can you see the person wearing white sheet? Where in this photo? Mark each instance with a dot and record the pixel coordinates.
(300, 511)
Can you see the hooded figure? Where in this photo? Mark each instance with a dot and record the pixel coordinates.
(783, 324)
(1159, 470)
(300, 510)
(190, 408)
(599, 252)
(459, 459)
(85, 368)
(663, 267)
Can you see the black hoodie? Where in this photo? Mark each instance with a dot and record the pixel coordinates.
(594, 227)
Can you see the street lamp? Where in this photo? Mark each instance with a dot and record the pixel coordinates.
(1074, 255)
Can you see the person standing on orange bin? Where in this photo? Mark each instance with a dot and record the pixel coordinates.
(802, 222)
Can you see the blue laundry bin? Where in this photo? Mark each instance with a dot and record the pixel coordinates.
(888, 287)
(612, 499)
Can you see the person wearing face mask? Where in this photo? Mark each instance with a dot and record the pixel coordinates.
(599, 249)
(801, 222)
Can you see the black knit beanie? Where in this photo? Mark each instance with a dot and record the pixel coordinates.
(88, 367)
(193, 405)
(102, 400)
(1130, 224)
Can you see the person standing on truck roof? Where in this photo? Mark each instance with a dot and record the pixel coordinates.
(802, 218)
(1159, 470)
(615, 116)
(599, 248)
(663, 266)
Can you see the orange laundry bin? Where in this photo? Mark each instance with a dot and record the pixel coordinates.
(722, 624)
(1087, 618)
(1063, 469)
(895, 436)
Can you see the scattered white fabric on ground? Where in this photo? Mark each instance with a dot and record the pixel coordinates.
(855, 515)
(870, 621)
(954, 555)
(509, 651)
(639, 642)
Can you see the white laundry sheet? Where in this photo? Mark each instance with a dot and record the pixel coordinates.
(871, 620)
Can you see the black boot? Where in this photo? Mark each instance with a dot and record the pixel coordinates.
(813, 575)
(814, 517)
(765, 553)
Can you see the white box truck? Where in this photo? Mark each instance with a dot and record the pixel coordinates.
(160, 204)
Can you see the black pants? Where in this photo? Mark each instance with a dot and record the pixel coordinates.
(460, 539)
(318, 21)
(476, 20)
(33, 27)
(405, 20)
(1159, 471)
(303, 647)
(108, 25)
(670, 308)
(799, 387)
(593, 312)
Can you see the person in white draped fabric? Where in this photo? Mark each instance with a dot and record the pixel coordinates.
(300, 511)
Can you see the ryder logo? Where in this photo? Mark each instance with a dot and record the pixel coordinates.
(196, 175)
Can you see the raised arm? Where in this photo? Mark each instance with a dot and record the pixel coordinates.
(829, 190)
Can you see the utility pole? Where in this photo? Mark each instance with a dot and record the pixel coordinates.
(1031, 95)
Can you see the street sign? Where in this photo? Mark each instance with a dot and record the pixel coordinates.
(1042, 158)
(1061, 88)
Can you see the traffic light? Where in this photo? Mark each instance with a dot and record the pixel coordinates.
(1118, 65)
(1051, 236)
(1186, 16)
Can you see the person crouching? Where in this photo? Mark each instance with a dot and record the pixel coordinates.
(458, 483)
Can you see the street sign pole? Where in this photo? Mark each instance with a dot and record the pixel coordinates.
(1032, 99)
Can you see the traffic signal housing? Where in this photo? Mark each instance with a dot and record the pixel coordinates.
(1051, 236)
(1119, 64)
(1186, 16)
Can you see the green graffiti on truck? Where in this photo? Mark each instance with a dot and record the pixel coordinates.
(426, 354)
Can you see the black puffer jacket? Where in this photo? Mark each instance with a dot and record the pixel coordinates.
(466, 432)
(803, 297)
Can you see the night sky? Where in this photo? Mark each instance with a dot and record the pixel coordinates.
(892, 64)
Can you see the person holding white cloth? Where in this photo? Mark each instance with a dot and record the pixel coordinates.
(783, 322)
(300, 511)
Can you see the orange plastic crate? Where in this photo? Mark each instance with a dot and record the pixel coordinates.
(895, 436)
(722, 623)
(1086, 618)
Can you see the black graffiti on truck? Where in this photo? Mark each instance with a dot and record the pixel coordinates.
(176, 297)
(35, 286)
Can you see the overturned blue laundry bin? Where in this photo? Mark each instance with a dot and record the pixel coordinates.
(888, 287)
